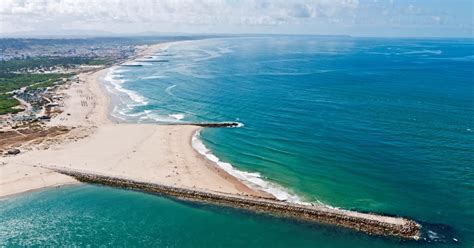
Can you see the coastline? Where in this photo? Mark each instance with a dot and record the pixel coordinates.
(157, 158)
(372, 224)
(96, 142)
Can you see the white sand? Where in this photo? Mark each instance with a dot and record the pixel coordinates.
(142, 152)
(145, 152)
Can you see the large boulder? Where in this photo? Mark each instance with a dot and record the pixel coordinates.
(13, 151)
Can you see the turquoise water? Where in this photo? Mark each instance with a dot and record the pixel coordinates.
(379, 125)
(92, 215)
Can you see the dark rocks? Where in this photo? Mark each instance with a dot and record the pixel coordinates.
(131, 65)
(44, 118)
(372, 224)
(152, 60)
(13, 151)
(216, 124)
(229, 124)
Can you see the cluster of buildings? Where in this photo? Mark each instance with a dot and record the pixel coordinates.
(41, 103)
(38, 104)
(106, 51)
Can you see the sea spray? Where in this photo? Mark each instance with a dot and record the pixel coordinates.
(178, 117)
(251, 179)
(116, 82)
(131, 99)
(168, 89)
(324, 119)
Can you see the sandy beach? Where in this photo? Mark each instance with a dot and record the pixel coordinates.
(88, 146)
(145, 152)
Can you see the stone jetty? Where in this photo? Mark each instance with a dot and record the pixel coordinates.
(152, 60)
(131, 65)
(372, 224)
(209, 124)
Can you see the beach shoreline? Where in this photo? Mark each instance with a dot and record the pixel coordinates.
(155, 158)
(86, 112)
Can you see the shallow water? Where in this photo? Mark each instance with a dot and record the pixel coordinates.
(100, 216)
(379, 125)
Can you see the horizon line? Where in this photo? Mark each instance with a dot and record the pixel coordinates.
(168, 34)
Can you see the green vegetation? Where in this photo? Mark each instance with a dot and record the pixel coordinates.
(10, 82)
(7, 103)
(47, 62)
(14, 75)
(104, 61)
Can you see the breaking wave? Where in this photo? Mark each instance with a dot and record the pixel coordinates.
(251, 179)
(178, 117)
(115, 80)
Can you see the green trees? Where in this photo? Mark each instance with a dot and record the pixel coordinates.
(23, 65)
(10, 82)
(6, 105)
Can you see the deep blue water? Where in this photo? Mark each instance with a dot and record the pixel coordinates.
(380, 125)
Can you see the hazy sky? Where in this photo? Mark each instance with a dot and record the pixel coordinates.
(429, 18)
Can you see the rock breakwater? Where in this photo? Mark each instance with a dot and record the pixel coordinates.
(372, 224)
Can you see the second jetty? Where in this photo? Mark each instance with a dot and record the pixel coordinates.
(209, 124)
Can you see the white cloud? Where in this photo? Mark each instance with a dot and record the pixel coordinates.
(369, 17)
(32, 13)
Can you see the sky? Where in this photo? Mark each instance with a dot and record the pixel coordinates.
(386, 18)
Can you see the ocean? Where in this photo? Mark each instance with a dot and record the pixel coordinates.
(369, 124)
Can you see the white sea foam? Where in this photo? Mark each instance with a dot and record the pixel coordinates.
(154, 77)
(165, 46)
(125, 111)
(116, 82)
(225, 49)
(463, 58)
(188, 71)
(251, 179)
(177, 116)
(135, 62)
(168, 89)
(425, 51)
(150, 115)
(116, 70)
(433, 235)
(210, 55)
